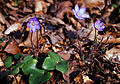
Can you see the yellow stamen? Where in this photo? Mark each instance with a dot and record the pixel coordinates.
(33, 23)
(78, 14)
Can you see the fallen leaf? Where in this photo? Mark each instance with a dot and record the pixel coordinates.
(113, 55)
(27, 42)
(12, 48)
(14, 27)
(64, 8)
(1, 62)
(64, 55)
(3, 20)
(87, 80)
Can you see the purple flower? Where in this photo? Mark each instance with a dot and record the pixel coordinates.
(80, 13)
(33, 24)
(99, 25)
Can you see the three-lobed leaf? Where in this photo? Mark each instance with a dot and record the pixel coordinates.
(62, 66)
(51, 61)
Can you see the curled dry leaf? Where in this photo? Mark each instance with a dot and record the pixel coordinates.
(11, 7)
(113, 55)
(55, 21)
(41, 6)
(91, 3)
(14, 27)
(12, 48)
(64, 8)
(27, 42)
(75, 23)
(109, 38)
(64, 55)
(3, 20)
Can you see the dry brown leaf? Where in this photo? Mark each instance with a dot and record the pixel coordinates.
(64, 55)
(91, 3)
(27, 42)
(14, 27)
(3, 20)
(55, 21)
(109, 38)
(12, 48)
(41, 6)
(87, 80)
(64, 8)
(78, 79)
(113, 55)
(75, 23)
(1, 62)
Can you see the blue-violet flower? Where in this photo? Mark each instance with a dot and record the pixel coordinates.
(80, 13)
(33, 24)
(99, 25)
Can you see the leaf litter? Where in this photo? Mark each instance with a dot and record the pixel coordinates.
(93, 55)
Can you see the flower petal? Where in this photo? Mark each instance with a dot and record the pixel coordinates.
(97, 22)
(85, 16)
(28, 24)
(31, 20)
(102, 27)
(81, 18)
(76, 8)
(101, 24)
(82, 10)
(37, 27)
(75, 13)
(33, 29)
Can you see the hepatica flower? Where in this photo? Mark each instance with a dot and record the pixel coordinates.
(80, 13)
(33, 24)
(99, 25)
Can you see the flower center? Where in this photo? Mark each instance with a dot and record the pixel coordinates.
(33, 23)
(96, 26)
(78, 14)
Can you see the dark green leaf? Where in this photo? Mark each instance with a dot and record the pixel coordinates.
(16, 71)
(8, 62)
(49, 64)
(29, 66)
(38, 76)
(54, 56)
(51, 61)
(114, 5)
(2, 39)
(17, 56)
(62, 66)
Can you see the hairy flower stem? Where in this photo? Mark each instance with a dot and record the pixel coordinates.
(95, 44)
(32, 44)
(37, 41)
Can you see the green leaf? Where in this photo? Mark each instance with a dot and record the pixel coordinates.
(29, 66)
(54, 56)
(51, 61)
(16, 71)
(2, 39)
(49, 64)
(114, 5)
(8, 62)
(39, 76)
(62, 66)
(17, 56)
